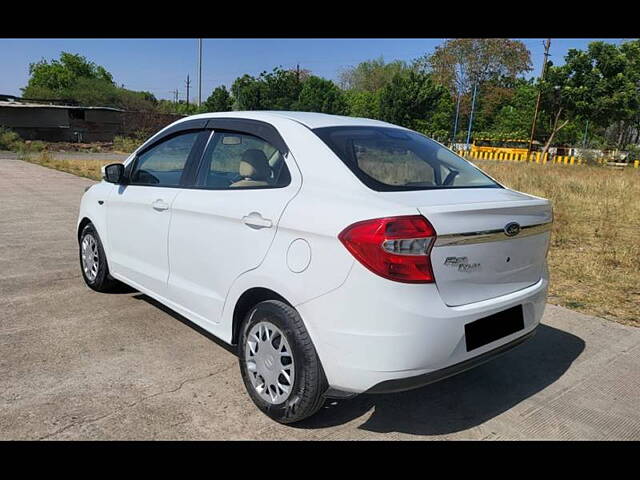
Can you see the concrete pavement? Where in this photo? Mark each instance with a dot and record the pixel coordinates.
(75, 364)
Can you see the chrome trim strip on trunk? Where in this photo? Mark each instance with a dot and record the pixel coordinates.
(490, 235)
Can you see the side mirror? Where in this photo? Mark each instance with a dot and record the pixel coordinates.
(113, 173)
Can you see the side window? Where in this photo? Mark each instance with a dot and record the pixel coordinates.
(239, 160)
(163, 164)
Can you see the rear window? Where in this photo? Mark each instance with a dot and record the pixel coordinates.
(391, 159)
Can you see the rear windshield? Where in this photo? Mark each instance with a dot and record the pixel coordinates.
(392, 159)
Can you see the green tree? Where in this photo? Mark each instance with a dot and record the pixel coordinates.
(371, 75)
(505, 111)
(362, 103)
(57, 76)
(219, 100)
(73, 78)
(321, 95)
(461, 62)
(600, 84)
(563, 98)
(276, 90)
(414, 101)
(179, 108)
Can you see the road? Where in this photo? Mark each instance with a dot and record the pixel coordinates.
(75, 364)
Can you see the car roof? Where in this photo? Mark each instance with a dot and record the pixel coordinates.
(309, 119)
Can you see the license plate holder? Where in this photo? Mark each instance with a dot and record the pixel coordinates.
(494, 327)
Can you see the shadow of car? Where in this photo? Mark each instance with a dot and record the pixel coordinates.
(454, 404)
(465, 400)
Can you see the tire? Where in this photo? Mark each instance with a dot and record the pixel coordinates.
(306, 393)
(101, 281)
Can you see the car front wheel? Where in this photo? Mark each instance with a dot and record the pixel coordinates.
(93, 262)
(279, 364)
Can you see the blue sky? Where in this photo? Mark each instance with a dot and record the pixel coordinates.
(161, 65)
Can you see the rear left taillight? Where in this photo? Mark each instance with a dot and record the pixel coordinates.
(396, 248)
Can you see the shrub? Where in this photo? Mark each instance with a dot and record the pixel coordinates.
(590, 157)
(129, 143)
(31, 146)
(9, 140)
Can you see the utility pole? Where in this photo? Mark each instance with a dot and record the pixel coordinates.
(298, 71)
(547, 44)
(199, 71)
(188, 83)
(455, 123)
(473, 105)
(175, 95)
(584, 140)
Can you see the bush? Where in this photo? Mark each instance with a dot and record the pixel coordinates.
(129, 143)
(31, 146)
(589, 157)
(9, 140)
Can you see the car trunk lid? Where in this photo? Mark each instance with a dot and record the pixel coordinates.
(473, 258)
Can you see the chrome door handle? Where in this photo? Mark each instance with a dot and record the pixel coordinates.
(254, 220)
(160, 205)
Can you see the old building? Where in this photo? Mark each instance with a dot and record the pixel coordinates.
(57, 123)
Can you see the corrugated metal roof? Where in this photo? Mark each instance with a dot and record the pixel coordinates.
(41, 105)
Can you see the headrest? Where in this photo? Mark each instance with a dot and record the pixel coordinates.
(254, 165)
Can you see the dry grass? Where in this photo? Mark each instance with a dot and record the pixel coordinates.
(594, 258)
(84, 168)
(595, 253)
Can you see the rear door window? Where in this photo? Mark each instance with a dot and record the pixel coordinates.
(235, 160)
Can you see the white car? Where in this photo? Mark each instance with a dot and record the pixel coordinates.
(341, 255)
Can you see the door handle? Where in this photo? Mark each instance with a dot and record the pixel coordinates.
(160, 205)
(254, 220)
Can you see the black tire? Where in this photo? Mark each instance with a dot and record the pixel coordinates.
(309, 384)
(103, 282)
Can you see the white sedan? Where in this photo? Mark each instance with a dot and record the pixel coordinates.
(341, 255)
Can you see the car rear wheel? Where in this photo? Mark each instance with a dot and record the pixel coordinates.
(93, 262)
(279, 365)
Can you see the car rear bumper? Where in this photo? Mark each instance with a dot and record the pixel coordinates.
(375, 335)
(409, 383)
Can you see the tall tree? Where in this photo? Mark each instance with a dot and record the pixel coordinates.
(321, 95)
(74, 78)
(362, 103)
(275, 90)
(509, 112)
(370, 75)
(465, 64)
(219, 100)
(56, 76)
(601, 84)
(414, 101)
(461, 62)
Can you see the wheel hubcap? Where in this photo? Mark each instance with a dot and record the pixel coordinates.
(269, 362)
(90, 258)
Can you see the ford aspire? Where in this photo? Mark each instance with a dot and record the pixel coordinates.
(341, 255)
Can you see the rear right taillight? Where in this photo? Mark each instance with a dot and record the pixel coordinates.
(396, 248)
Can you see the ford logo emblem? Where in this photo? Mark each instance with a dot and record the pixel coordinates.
(512, 229)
